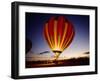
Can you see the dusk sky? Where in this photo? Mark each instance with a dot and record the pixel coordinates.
(34, 32)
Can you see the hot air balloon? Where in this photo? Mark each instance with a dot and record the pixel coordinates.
(59, 33)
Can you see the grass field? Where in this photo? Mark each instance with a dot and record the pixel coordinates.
(57, 63)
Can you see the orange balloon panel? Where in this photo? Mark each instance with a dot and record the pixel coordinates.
(59, 33)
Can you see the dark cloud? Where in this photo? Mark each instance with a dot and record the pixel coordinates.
(44, 52)
(87, 52)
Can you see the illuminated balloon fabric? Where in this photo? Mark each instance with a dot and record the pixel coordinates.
(59, 33)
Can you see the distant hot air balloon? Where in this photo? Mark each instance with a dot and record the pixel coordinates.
(28, 45)
(59, 33)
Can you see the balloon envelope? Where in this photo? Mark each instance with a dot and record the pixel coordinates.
(59, 33)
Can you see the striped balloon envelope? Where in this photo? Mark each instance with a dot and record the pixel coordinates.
(59, 33)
